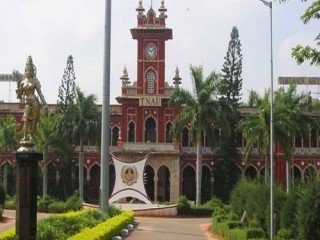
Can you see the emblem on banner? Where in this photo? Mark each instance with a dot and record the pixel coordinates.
(129, 175)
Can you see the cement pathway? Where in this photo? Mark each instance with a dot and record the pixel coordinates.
(10, 219)
(150, 228)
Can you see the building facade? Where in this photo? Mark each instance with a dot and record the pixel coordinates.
(140, 126)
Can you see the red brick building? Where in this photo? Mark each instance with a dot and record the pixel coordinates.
(141, 122)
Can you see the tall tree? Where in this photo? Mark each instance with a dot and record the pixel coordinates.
(45, 141)
(85, 118)
(199, 109)
(230, 96)
(9, 139)
(231, 84)
(67, 93)
(303, 53)
(256, 129)
(292, 108)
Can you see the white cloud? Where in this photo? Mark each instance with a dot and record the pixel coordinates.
(52, 30)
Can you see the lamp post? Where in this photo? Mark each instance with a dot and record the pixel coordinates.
(104, 179)
(269, 4)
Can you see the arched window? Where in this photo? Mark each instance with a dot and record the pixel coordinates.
(185, 137)
(313, 138)
(168, 135)
(115, 136)
(131, 132)
(150, 130)
(151, 78)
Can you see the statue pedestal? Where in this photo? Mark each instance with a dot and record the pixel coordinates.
(26, 194)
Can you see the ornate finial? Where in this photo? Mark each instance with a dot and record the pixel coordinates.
(162, 10)
(177, 78)
(125, 77)
(140, 9)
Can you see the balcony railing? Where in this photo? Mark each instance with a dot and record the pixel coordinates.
(149, 147)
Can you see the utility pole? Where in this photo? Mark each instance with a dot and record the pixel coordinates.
(104, 176)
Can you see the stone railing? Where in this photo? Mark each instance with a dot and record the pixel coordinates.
(94, 149)
(149, 147)
(307, 151)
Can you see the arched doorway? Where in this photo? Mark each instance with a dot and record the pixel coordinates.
(150, 130)
(189, 183)
(94, 183)
(115, 136)
(206, 185)
(131, 132)
(168, 135)
(310, 173)
(185, 137)
(163, 184)
(149, 182)
(112, 178)
(296, 175)
(250, 172)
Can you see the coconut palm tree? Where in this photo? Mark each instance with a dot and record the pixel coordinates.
(84, 114)
(292, 108)
(256, 129)
(201, 110)
(9, 138)
(45, 140)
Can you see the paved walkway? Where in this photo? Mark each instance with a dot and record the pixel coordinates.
(171, 229)
(10, 219)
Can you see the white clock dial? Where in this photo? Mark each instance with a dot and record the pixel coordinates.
(151, 51)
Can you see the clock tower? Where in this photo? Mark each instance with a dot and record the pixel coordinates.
(146, 116)
(151, 33)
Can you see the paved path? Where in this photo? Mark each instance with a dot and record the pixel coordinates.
(171, 229)
(10, 219)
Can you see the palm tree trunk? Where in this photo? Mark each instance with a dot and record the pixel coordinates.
(45, 172)
(199, 174)
(288, 173)
(81, 163)
(5, 171)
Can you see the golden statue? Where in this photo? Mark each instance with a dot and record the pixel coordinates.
(27, 84)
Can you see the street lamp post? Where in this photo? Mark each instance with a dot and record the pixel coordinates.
(269, 4)
(104, 179)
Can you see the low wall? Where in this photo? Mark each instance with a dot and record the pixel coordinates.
(162, 211)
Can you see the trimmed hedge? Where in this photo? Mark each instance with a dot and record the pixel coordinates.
(228, 225)
(62, 226)
(106, 230)
(9, 234)
(206, 209)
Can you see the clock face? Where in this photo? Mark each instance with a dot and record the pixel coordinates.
(151, 51)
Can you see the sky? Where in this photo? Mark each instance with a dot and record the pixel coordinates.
(50, 31)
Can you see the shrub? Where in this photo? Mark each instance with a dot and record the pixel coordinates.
(113, 211)
(308, 211)
(3, 195)
(183, 206)
(253, 233)
(289, 210)
(73, 203)
(57, 207)
(8, 235)
(44, 202)
(252, 197)
(285, 234)
(1, 212)
(213, 203)
(279, 199)
(107, 229)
